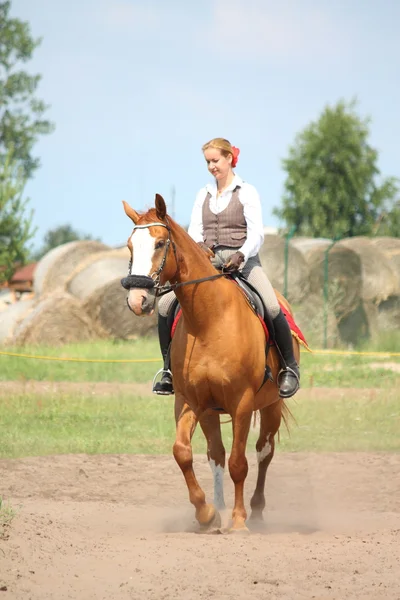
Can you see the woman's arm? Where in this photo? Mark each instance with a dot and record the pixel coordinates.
(250, 199)
(196, 221)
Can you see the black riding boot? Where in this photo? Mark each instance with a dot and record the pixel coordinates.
(289, 376)
(164, 387)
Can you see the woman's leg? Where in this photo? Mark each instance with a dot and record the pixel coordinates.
(289, 378)
(164, 387)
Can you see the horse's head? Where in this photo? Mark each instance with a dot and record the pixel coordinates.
(153, 262)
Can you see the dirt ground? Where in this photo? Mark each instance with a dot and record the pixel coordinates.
(121, 527)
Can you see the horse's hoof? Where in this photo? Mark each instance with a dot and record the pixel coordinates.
(213, 525)
(239, 530)
(257, 523)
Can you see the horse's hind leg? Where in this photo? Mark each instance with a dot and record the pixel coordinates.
(211, 427)
(270, 423)
(186, 421)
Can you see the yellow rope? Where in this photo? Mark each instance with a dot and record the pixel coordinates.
(355, 353)
(150, 360)
(84, 360)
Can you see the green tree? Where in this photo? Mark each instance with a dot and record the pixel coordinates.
(15, 222)
(60, 235)
(332, 188)
(21, 113)
(389, 223)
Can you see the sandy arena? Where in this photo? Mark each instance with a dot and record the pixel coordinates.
(121, 527)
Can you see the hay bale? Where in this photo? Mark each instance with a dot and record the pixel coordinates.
(272, 256)
(344, 273)
(12, 316)
(309, 317)
(56, 266)
(389, 314)
(57, 319)
(97, 283)
(359, 325)
(390, 247)
(379, 280)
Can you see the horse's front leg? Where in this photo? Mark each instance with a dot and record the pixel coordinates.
(238, 467)
(186, 421)
(211, 426)
(270, 423)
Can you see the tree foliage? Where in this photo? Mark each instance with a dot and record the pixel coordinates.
(15, 221)
(21, 113)
(332, 188)
(60, 235)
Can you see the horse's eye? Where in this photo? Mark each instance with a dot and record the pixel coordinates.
(160, 244)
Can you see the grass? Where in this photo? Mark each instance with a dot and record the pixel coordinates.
(7, 513)
(58, 424)
(317, 370)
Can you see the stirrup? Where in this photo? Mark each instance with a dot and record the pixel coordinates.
(162, 392)
(297, 377)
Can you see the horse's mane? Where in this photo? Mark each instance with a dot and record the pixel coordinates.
(179, 235)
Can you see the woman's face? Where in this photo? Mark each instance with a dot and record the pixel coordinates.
(218, 165)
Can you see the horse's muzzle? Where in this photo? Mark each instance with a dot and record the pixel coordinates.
(141, 282)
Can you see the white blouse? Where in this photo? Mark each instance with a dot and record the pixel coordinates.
(250, 199)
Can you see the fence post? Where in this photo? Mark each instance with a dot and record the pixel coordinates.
(288, 237)
(326, 288)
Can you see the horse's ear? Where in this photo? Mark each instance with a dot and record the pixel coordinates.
(161, 209)
(130, 212)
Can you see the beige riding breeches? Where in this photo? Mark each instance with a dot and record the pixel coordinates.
(252, 271)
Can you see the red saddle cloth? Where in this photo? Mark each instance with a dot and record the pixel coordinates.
(294, 328)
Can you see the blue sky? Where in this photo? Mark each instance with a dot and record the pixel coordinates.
(136, 88)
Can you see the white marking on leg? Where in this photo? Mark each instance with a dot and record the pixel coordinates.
(218, 473)
(264, 452)
(143, 249)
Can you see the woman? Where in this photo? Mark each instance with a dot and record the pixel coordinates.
(227, 219)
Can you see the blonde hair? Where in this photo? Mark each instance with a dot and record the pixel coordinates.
(220, 144)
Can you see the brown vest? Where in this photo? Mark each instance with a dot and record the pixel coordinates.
(229, 227)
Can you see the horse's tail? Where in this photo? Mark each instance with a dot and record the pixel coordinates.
(286, 413)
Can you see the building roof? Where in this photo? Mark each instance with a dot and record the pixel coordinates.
(25, 273)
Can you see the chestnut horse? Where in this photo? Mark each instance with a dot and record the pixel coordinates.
(217, 356)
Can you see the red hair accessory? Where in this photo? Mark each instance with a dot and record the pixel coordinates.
(235, 156)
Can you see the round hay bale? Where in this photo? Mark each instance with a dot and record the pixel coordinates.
(379, 281)
(390, 247)
(309, 316)
(96, 270)
(344, 274)
(12, 316)
(359, 325)
(57, 319)
(97, 283)
(108, 308)
(56, 266)
(389, 314)
(272, 256)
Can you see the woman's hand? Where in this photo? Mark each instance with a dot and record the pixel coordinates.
(234, 261)
(206, 249)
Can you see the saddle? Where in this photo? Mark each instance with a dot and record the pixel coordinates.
(256, 303)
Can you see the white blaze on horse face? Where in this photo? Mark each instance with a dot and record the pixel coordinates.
(266, 451)
(142, 252)
(218, 474)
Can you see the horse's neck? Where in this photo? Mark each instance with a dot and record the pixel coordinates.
(200, 302)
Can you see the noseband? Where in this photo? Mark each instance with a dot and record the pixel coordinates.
(153, 280)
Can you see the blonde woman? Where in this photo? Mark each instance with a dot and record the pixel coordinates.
(227, 219)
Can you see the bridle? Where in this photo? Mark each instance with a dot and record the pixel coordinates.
(152, 281)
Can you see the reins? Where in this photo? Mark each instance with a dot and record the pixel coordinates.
(153, 281)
